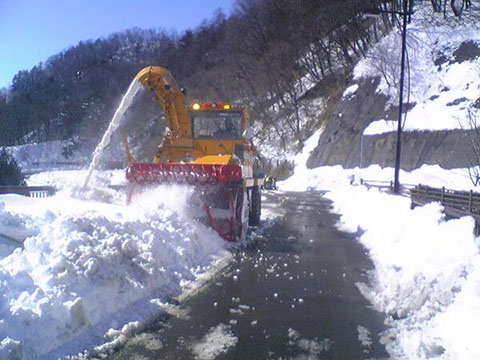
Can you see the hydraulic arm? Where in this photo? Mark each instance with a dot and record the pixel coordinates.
(170, 97)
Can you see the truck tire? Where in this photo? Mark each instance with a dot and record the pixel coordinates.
(256, 208)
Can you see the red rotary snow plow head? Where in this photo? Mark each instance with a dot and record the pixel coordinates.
(219, 190)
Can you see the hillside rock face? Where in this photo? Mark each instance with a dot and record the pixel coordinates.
(342, 141)
(445, 95)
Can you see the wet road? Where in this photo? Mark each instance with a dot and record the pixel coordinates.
(290, 295)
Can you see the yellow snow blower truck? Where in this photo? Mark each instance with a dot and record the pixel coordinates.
(207, 145)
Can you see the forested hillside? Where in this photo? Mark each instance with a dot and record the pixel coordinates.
(257, 55)
(268, 53)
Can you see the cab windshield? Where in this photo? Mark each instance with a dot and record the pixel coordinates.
(216, 125)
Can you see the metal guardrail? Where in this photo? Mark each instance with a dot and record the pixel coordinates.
(377, 183)
(30, 191)
(456, 203)
(467, 202)
(383, 184)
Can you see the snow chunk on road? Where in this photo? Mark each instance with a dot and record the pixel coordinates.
(87, 267)
(217, 341)
(312, 348)
(364, 338)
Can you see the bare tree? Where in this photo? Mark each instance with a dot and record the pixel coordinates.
(472, 124)
(458, 6)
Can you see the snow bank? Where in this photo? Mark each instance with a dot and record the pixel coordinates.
(12, 231)
(330, 177)
(15, 228)
(427, 270)
(89, 268)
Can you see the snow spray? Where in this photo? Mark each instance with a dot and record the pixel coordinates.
(127, 99)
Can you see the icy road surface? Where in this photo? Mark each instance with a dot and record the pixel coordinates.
(291, 295)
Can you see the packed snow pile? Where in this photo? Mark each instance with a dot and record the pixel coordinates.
(442, 76)
(91, 268)
(15, 227)
(427, 269)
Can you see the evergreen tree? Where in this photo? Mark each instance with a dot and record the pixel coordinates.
(10, 172)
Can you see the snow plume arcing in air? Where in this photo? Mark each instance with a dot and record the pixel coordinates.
(127, 99)
(92, 272)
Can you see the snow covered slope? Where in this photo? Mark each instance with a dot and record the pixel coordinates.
(92, 269)
(444, 71)
(442, 95)
(45, 156)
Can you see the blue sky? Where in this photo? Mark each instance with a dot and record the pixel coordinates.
(33, 30)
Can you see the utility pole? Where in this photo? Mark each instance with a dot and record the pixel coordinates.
(405, 13)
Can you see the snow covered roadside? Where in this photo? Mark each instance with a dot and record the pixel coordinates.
(93, 271)
(427, 272)
(427, 269)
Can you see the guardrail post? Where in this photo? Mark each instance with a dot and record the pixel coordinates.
(443, 193)
(470, 202)
(412, 195)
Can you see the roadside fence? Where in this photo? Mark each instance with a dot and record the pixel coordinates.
(30, 191)
(456, 203)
